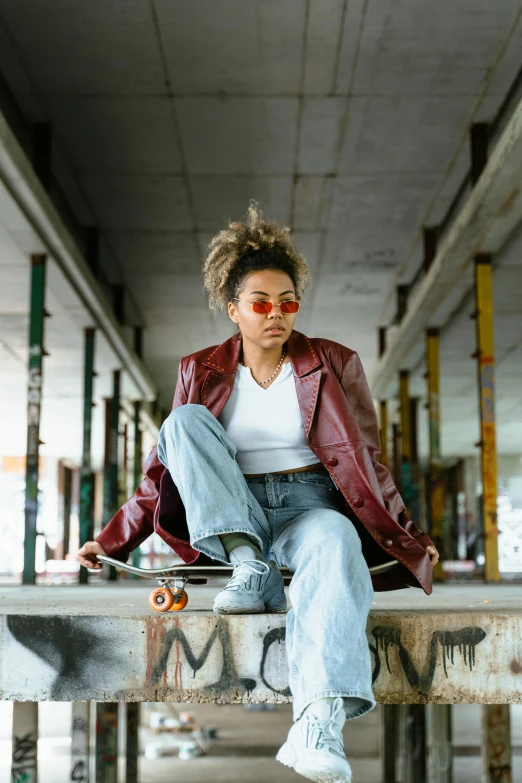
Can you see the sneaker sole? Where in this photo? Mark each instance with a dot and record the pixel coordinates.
(288, 757)
(238, 610)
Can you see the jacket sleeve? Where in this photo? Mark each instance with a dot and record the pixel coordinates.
(134, 522)
(358, 394)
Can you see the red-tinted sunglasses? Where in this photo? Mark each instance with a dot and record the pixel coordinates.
(263, 307)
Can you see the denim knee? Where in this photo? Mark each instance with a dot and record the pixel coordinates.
(334, 532)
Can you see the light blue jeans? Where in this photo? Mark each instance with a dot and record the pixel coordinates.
(296, 520)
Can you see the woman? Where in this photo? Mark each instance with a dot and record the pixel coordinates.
(270, 458)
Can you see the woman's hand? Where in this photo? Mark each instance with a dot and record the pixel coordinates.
(87, 554)
(434, 555)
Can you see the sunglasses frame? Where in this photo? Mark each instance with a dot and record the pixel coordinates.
(237, 299)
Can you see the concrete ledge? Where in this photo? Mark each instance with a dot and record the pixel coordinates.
(103, 643)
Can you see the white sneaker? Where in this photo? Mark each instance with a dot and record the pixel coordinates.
(255, 587)
(314, 747)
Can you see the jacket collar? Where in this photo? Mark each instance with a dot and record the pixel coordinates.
(225, 358)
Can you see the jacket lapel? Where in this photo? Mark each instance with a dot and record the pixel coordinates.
(222, 365)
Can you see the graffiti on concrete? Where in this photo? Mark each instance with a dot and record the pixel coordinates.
(275, 635)
(228, 679)
(23, 768)
(465, 640)
(71, 649)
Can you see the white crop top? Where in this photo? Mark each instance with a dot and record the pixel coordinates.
(265, 425)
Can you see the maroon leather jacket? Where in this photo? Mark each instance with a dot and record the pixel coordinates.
(341, 428)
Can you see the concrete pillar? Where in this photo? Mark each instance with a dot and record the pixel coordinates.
(67, 505)
(439, 743)
(384, 432)
(496, 744)
(24, 757)
(34, 397)
(86, 479)
(137, 467)
(80, 744)
(412, 744)
(389, 741)
(406, 473)
(396, 453)
(414, 452)
(132, 715)
(110, 473)
(486, 385)
(436, 483)
(107, 742)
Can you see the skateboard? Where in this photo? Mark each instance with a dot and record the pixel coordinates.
(171, 594)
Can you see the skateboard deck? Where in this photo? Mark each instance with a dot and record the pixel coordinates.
(172, 580)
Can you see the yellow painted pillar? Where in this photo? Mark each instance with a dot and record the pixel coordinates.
(406, 477)
(384, 433)
(435, 469)
(486, 385)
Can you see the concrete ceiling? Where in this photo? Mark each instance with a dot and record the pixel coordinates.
(347, 120)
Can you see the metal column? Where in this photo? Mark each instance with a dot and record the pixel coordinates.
(486, 383)
(107, 742)
(439, 736)
(67, 506)
(86, 482)
(110, 476)
(80, 743)
(406, 477)
(436, 484)
(411, 756)
(414, 455)
(132, 710)
(496, 743)
(384, 432)
(34, 397)
(137, 460)
(389, 741)
(24, 758)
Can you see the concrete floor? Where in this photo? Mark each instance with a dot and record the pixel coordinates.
(128, 598)
(247, 743)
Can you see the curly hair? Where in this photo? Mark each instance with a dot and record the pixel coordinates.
(254, 245)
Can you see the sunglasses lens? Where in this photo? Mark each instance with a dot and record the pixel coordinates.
(289, 307)
(262, 307)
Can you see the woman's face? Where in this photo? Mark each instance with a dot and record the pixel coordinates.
(266, 330)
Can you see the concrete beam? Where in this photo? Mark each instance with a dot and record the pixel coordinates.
(24, 186)
(483, 225)
(102, 643)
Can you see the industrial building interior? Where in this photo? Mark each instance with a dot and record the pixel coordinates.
(387, 135)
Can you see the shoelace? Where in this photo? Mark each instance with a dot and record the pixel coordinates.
(255, 566)
(323, 731)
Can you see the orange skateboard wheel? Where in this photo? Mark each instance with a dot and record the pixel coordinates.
(180, 600)
(161, 599)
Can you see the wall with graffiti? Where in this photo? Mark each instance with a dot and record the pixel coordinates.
(201, 657)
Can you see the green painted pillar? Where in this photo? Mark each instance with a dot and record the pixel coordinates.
(67, 505)
(110, 476)
(24, 753)
(34, 397)
(107, 742)
(86, 479)
(136, 559)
